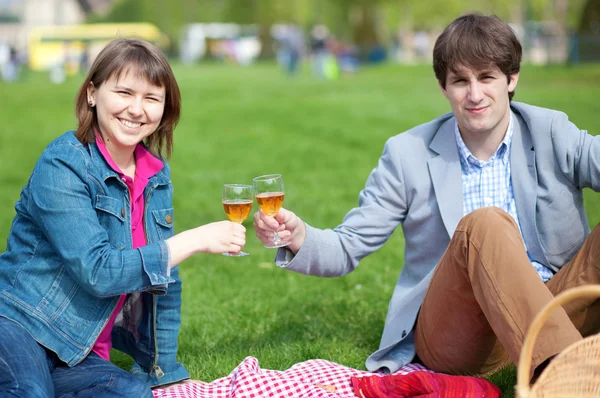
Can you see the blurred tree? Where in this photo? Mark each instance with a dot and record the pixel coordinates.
(366, 22)
(565, 12)
(587, 45)
(266, 13)
(85, 6)
(590, 18)
(169, 17)
(359, 21)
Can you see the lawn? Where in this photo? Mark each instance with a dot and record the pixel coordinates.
(324, 137)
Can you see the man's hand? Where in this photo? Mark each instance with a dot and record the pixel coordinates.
(288, 226)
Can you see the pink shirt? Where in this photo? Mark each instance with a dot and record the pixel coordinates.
(146, 165)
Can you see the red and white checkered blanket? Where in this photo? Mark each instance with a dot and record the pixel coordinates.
(316, 378)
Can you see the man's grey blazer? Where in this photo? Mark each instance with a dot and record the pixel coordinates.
(417, 184)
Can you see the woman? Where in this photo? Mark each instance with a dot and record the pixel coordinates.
(91, 256)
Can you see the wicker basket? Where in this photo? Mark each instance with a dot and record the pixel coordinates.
(575, 372)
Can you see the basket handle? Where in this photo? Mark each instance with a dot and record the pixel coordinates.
(523, 373)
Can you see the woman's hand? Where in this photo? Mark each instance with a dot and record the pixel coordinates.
(217, 237)
(221, 237)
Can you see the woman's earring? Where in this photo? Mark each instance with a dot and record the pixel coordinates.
(90, 103)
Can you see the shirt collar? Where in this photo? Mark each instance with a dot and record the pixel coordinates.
(146, 165)
(502, 152)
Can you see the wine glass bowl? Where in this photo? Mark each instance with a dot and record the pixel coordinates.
(237, 203)
(269, 193)
(270, 202)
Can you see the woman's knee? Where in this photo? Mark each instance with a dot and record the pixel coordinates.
(14, 382)
(24, 364)
(123, 384)
(24, 388)
(133, 387)
(111, 385)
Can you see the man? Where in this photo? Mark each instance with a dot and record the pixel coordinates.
(490, 201)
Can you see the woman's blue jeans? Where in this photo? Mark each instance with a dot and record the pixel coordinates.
(29, 370)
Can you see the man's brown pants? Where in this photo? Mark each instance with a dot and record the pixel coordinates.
(485, 293)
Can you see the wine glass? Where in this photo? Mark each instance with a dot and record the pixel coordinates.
(237, 202)
(269, 195)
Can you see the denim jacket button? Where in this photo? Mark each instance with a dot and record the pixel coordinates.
(123, 212)
(169, 218)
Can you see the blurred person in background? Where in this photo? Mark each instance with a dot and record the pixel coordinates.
(421, 45)
(490, 201)
(9, 63)
(290, 41)
(347, 56)
(318, 50)
(84, 60)
(91, 260)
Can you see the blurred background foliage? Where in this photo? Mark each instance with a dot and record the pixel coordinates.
(365, 22)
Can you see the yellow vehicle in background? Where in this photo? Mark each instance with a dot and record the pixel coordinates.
(74, 47)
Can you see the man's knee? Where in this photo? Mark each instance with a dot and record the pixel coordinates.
(595, 234)
(486, 217)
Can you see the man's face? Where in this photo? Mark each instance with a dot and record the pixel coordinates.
(479, 100)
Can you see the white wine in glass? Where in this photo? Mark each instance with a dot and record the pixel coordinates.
(237, 202)
(269, 193)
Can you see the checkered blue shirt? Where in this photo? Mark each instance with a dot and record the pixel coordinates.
(489, 184)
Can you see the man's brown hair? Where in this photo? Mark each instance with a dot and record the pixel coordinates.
(477, 42)
(122, 56)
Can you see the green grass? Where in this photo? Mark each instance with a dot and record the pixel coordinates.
(324, 137)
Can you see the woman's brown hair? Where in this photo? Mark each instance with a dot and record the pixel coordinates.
(135, 55)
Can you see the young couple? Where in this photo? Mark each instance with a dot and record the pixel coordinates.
(489, 198)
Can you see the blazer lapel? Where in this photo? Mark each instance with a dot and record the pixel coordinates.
(446, 175)
(524, 181)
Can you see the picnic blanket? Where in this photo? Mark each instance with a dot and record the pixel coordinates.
(316, 378)
(424, 384)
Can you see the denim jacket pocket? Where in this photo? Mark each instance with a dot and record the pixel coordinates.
(164, 222)
(112, 215)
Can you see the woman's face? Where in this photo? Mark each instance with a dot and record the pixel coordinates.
(129, 108)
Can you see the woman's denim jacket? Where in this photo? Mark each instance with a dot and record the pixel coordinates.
(69, 257)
